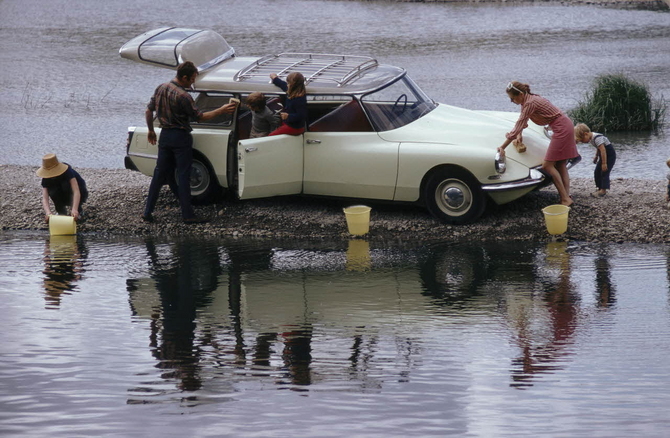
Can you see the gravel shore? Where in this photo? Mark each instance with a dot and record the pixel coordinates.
(633, 211)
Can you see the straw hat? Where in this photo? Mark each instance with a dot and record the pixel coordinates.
(51, 167)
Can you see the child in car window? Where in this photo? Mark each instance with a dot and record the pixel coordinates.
(263, 119)
(294, 116)
(63, 185)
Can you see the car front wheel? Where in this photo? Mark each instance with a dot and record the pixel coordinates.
(454, 196)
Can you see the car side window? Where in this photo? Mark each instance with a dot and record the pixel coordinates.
(348, 117)
(211, 101)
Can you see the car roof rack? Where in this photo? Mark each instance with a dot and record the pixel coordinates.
(340, 69)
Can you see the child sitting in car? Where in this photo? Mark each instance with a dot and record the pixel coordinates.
(294, 115)
(263, 119)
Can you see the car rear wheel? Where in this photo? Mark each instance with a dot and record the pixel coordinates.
(204, 187)
(454, 196)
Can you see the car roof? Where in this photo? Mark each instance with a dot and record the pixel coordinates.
(324, 73)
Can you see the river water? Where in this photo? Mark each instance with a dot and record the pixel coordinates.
(213, 337)
(125, 336)
(71, 93)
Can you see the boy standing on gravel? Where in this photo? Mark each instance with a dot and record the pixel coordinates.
(604, 159)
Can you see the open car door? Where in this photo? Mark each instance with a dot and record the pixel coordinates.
(270, 166)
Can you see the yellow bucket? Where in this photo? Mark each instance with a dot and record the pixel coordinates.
(358, 219)
(556, 217)
(62, 225)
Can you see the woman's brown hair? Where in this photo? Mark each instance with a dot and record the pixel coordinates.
(256, 101)
(515, 88)
(296, 85)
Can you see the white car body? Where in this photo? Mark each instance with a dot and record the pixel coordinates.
(371, 133)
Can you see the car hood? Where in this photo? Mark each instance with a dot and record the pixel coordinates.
(450, 125)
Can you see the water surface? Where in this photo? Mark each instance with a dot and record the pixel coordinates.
(214, 337)
(75, 96)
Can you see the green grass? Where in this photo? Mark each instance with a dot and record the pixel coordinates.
(618, 103)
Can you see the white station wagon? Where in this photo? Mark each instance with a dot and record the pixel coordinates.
(371, 133)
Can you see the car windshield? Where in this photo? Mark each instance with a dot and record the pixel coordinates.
(397, 105)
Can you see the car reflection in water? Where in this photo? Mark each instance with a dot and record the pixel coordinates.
(186, 274)
(531, 288)
(235, 312)
(64, 259)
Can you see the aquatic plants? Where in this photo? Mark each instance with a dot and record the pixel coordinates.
(618, 103)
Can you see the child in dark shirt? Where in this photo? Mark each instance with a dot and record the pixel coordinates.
(604, 159)
(63, 185)
(294, 115)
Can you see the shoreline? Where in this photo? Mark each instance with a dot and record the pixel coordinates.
(633, 4)
(633, 211)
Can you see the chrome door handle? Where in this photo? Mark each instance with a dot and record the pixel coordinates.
(313, 141)
(251, 149)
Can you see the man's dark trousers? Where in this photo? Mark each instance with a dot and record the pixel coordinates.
(175, 151)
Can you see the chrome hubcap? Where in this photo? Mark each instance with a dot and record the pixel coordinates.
(199, 178)
(453, 197)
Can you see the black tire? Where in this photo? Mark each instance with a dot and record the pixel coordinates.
(454, 274)
(454, 196)
(204, 186)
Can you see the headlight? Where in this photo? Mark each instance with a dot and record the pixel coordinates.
(500, 163)
(548, 132)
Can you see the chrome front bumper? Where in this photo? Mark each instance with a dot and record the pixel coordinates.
(535, 178)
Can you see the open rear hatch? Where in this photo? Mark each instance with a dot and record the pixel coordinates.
(170, 46)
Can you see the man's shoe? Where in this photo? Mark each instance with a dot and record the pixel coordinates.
(147, 218)
(196, 220)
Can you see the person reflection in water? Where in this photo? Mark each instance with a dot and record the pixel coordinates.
(64, 258)
(542, 356)
(297, 354)
(605, 291)
(184, 281)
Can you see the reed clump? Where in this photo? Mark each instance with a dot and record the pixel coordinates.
(618, 103)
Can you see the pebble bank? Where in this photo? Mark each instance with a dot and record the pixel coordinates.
(635, 210)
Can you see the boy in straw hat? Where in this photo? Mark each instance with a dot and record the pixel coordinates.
(63, 185)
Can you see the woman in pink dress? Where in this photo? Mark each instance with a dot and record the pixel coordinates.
(562, 146)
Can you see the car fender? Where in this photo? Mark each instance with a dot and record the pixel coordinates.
(417, 160)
